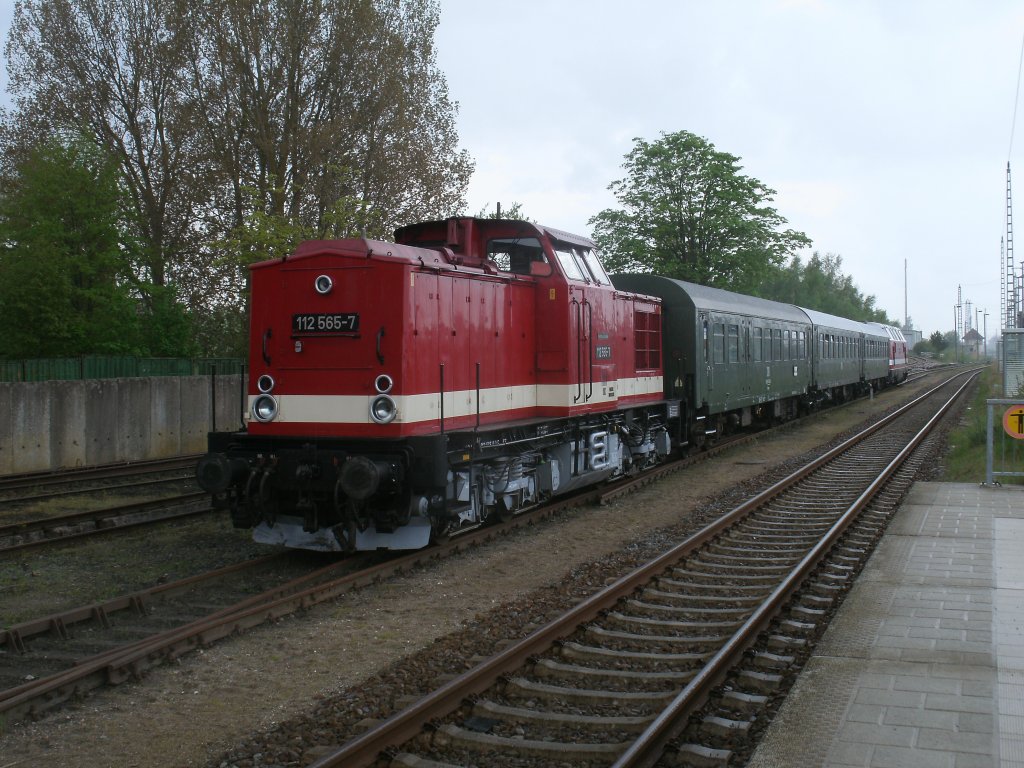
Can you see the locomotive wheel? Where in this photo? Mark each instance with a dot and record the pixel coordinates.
(503, 513)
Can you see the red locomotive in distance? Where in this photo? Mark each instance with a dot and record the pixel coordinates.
(897, 353)
(399, 391)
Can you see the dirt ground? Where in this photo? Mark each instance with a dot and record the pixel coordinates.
(193, 712)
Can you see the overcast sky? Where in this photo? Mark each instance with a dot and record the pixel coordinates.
(884, 126)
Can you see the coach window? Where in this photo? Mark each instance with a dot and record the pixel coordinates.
(776, 344)
(734, 343)
(758, 333)
(719, 340)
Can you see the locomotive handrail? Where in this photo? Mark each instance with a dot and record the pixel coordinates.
(590, 348)
(442, 399)
(579, 350)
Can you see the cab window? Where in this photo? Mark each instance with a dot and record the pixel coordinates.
(519, 255)
(569, 263)
(580, 263)
(594, 266)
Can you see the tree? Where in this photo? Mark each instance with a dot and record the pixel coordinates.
(938, 341)
(64, 276)
(116, 69)
(820, 285)
(333, 112)
(687, 212)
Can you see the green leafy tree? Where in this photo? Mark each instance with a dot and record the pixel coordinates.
(334, 111)
(688, 212)
(64, 275)
(938, 341)
(820, 284)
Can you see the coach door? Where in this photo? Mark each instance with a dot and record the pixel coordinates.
(708, 342)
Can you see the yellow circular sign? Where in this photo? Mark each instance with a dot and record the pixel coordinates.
(1013, 421)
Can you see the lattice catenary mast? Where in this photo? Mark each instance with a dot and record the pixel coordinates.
(1012, 294)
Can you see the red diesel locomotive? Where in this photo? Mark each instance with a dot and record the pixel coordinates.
(399, 391)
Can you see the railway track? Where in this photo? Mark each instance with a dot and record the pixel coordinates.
(114, 626)
(34, 486)
(51, 659)
(57, 529)
(126, 660)
(677, 660)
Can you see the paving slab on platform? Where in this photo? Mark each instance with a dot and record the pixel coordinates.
(924, 663)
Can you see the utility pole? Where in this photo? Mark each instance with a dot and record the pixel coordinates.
(977, 328)
(957, 315)
(906, 310)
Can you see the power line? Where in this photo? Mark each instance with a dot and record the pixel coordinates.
(1016, 97)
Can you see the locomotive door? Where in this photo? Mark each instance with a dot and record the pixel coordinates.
(595, 317)
(582, 354)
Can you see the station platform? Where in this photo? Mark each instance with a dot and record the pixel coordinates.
(923, 665)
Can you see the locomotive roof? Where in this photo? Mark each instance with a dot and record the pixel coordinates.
(347, 247)
(894, 333)
(567, 237)
(703, 297)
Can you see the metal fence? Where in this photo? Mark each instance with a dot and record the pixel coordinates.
(111, 367)
(1004, 444)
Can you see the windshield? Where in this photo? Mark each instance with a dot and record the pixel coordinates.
(580, 263)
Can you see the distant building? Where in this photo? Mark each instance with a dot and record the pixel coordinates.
(913, 337)
(973, 342)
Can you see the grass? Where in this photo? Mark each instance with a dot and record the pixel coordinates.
(965, 461)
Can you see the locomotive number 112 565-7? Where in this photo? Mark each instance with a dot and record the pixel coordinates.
(319, 322)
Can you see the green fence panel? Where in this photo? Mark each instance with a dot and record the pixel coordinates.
(222, 366)
(51, 368)
(164, 366)
(115, 367)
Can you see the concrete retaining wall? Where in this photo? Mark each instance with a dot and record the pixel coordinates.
(57, 424)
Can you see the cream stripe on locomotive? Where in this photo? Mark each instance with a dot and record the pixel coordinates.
(355, 409)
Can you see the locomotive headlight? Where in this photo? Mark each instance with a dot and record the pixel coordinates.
(264, 408)
(383, 383)
(383, 409)
(323, 284)
(265, 383)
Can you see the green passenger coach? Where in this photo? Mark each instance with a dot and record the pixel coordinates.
(734, 360)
